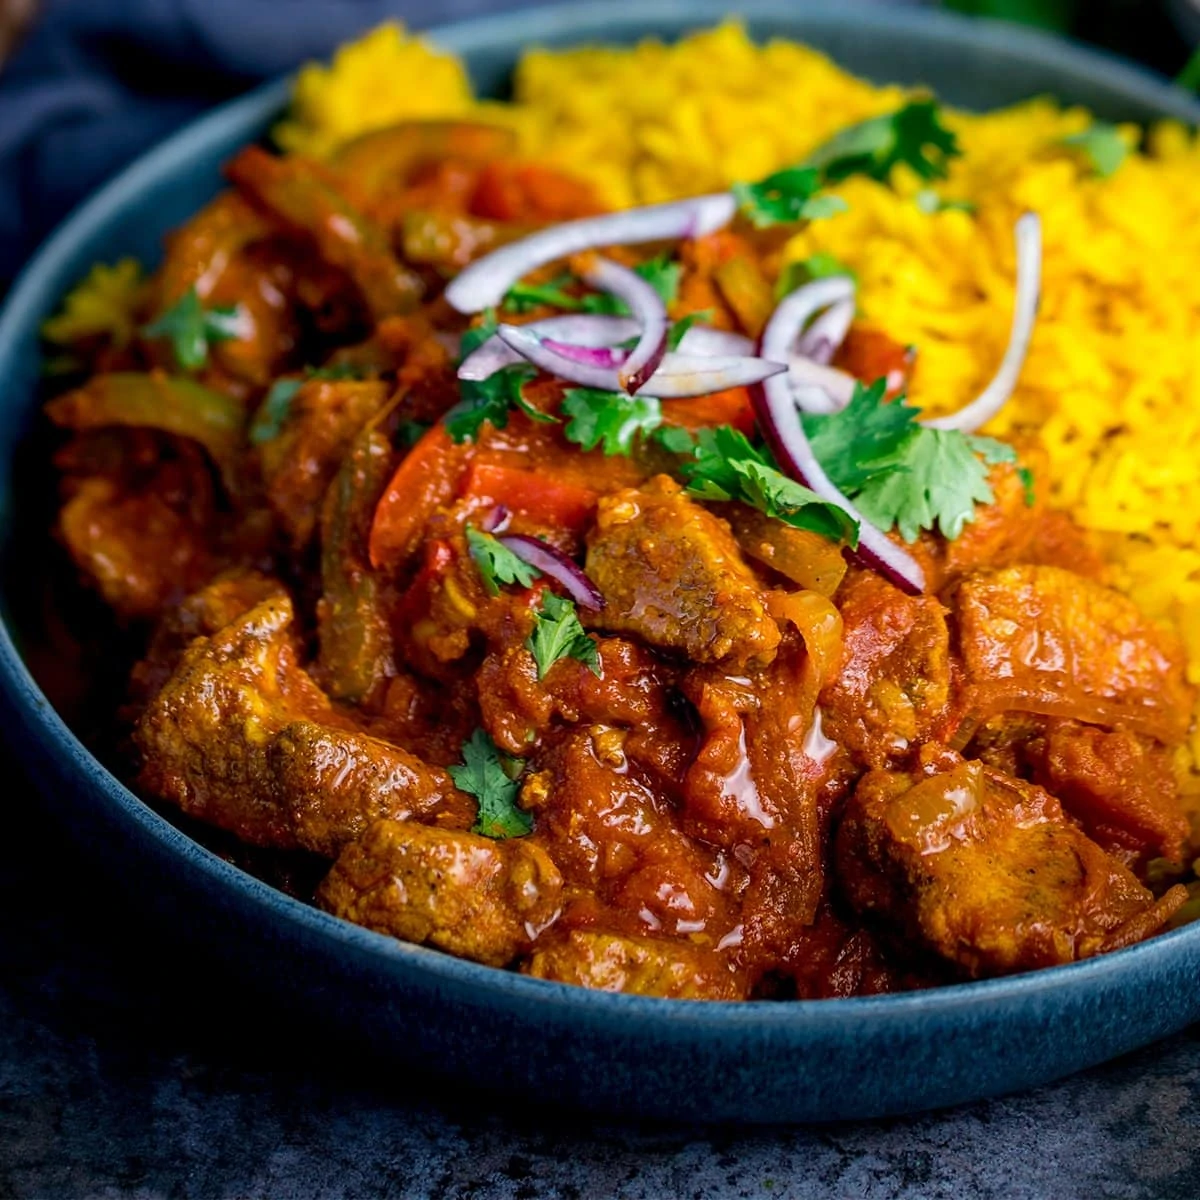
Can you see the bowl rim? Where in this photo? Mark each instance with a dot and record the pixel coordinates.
(38, 287)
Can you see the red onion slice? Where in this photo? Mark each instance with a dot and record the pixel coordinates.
(612, 357)
(1029, 289)
(590, 330)
(779, 419)
(648, 310)
(553, 562)
(486, 281)
(823, 338)
(678, 376)
(579, 329)
(819, 389)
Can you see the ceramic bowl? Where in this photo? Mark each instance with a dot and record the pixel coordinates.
(524, 1037)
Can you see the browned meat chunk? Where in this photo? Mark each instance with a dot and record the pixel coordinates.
(242, 738)
(986, 871)
(673, 576)
(1042, 639)
(893, 689)
(1121, 786)
(299, 463)
(640, 966)
(615, 835)
(480, 899)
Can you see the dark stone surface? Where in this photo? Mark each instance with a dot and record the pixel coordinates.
(121, 1076)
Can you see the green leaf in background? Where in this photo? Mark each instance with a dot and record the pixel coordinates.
(1189, 77)
(1102, 147)
(1047, 14)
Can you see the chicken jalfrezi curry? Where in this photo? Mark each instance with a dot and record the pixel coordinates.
(558, 682)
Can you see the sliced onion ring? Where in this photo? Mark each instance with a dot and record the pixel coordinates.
(819, 388)
(486, 281)
(648, 310)
(678, 376)
(824, 337)
(580, 329)
(775, 408)
(1029, 289)
(553, 562)
(592, 330)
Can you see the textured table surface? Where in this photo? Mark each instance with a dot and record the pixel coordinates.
(122, 1075)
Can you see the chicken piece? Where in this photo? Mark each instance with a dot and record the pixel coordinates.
(1045, 640)
(986, 871)
(638, 966)
(242, 738)
(614, 835)
(1120, 786)
(673, 576)
(299, 463)
(893, 688)
(480, 899)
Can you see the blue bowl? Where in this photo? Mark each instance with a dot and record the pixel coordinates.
(527, 1038)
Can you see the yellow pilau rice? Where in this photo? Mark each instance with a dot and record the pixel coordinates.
(1112, 385)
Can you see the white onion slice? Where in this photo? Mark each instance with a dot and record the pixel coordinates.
(1029, 289)
(580, 329)
(678, 376)
(775, 407)
(824, 337)
(486, 281)
(648, 310)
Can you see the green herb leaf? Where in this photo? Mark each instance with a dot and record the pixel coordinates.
(1029, 484)
(474, 337)
(821, 265)
(725, 466)
(191, 328)
(675, 439)
(410, 432)
(679, 328)
(483, 774)
(497, 564)
(901, 473)
(488, 400)
(1101, 146)
(558, 634)
(610, 419)
(913, 135)
(790, 195)
(522, 297)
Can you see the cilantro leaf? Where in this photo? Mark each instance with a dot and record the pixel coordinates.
(902, 473)
(1029, 484)
(913, 135)
(610, 419)
(1101, 146)
(522, 297)
(488, 400)
(793, 194)
(558, 634)
(725, 466)
(191, 328)
(482, 774)
(474, 337)
(674, 439)
(679, 328)
(497, 564)
(862, 439)
(410, 432)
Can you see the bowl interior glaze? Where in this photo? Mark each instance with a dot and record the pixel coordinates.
(507, 1033)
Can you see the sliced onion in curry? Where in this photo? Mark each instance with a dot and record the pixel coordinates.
(554, 563)
(824, 337)
(486, 281)
(818, 388)
(1029, 290)
(679, 376)
(648, 310)
(777, 411)
(573, 334)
